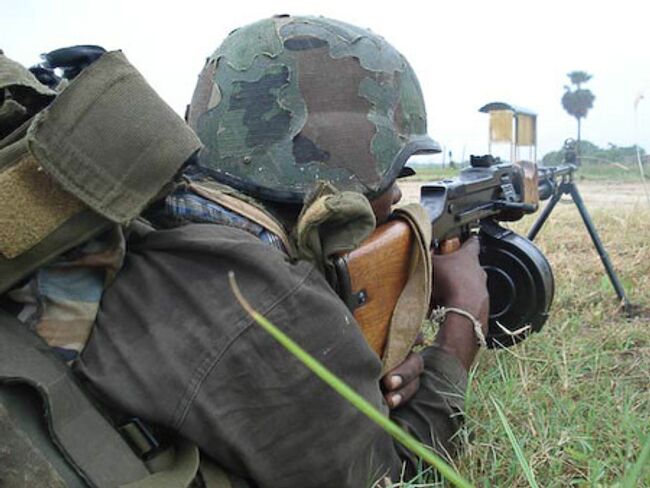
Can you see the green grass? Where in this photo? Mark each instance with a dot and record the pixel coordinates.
(570, 406)
(576, 397)
(587, 172)
(610, 172)
(430, 173)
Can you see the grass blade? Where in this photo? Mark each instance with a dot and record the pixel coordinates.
(530, 476)
(633, 474)
(350, 395)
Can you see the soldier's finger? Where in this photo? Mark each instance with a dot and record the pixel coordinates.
(410, 369)
(400, 397)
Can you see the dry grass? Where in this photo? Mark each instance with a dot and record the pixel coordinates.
(577, 395)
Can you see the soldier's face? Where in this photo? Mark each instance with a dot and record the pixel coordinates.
(381, 205)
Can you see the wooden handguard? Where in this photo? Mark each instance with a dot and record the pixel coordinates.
(373, 276)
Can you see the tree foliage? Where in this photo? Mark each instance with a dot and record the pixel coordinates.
(594, 154)
(579, 77)
(578, 101)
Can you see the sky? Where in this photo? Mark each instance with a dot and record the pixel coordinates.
(465, 53)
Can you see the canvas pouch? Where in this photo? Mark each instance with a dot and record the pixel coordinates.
(96, 156)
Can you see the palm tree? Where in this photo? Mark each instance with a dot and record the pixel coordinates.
(578, 101)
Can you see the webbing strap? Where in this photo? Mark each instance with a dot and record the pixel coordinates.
(87, 440)
(179, 474)
(245, 209)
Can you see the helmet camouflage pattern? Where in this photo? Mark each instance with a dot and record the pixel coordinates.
(289, 101)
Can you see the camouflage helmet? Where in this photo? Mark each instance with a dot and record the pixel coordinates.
(288, 101)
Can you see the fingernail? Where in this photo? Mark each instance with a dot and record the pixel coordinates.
(395, 400)
(396, 381)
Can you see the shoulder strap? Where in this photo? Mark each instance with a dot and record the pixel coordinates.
(22, 456)
(245, 209)
(86, 439)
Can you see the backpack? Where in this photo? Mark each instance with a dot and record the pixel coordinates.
(76, 168)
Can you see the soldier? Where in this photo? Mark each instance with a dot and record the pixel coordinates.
(306, 124)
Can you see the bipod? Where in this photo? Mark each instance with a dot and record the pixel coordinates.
(568, 187)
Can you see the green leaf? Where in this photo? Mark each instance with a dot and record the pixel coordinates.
(530, 476)
(635, 472)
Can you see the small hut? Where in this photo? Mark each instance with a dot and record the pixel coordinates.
(512, 125)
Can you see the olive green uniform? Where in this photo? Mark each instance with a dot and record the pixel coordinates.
(173, 346)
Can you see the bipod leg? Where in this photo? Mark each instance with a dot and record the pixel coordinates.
(537, 226)
(598, 244)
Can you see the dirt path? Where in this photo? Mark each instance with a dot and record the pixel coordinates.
(594, 193)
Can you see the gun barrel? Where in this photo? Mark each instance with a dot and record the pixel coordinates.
(550, 177)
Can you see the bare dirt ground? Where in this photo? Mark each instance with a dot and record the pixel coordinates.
(594, 193)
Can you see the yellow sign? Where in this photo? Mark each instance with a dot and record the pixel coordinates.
(501, 126)
(526, 133)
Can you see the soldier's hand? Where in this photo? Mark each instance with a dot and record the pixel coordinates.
(459, 281)
(402, 382)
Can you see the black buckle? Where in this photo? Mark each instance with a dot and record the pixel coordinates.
(140, 438)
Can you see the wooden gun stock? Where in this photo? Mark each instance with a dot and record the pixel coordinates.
(373, 276)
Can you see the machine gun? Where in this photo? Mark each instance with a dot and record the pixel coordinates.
(520, 280)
